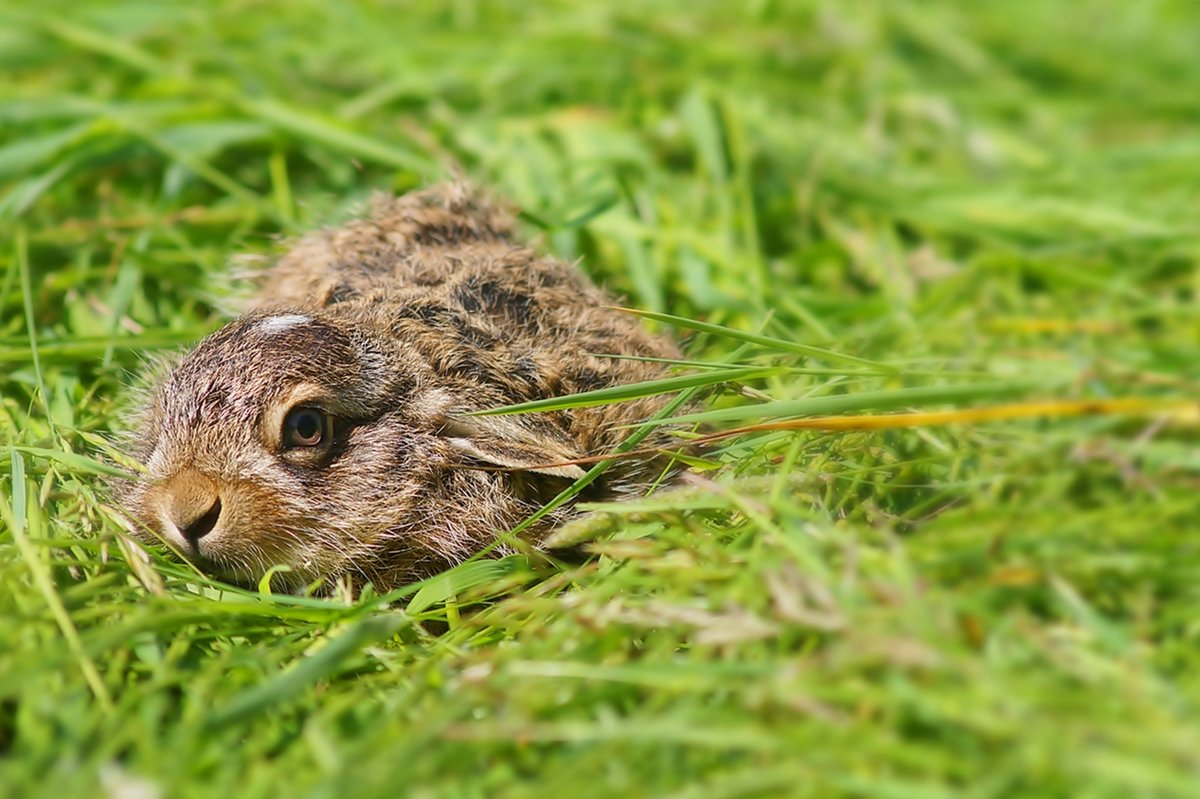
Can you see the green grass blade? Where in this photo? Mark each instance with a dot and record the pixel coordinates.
(21, 257)
(761, 341)
(17, 516)
(459, 580)
(286, 686)
(306, 125)
(649, 388)
(74, 461)
(859, 401)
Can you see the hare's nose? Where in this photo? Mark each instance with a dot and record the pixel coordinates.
(193, 506)
(194, 524)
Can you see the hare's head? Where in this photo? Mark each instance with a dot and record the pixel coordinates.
(307, 439)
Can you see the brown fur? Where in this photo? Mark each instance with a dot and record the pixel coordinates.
(397, 325)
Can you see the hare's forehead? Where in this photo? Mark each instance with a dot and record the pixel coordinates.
(272, 339)
(250, 363)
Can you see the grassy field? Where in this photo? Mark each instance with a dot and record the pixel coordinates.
(992, 200)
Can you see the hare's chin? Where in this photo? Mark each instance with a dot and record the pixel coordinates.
(282, 579)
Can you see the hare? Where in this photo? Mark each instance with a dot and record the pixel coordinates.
(328, 428)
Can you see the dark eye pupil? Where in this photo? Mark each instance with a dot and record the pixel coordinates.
(304, 428)
(308, 425)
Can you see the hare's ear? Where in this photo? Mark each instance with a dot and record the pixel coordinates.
(514, 444)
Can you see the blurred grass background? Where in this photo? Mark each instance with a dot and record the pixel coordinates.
(995, 191)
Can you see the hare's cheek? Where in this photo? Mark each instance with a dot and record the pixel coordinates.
(257, 518)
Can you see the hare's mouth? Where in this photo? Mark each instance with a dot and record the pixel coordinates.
(254, 571)
(220, 568)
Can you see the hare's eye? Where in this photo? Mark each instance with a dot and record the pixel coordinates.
(305, 427)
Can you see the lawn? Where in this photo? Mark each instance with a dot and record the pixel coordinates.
(980, 202)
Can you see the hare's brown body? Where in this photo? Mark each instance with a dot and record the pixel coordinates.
(328, 430)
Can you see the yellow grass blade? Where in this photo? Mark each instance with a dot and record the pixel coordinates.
(1049, 409)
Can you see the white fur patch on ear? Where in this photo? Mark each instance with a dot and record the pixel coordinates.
(277, 324)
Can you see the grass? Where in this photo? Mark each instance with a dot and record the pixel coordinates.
(967, 198)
